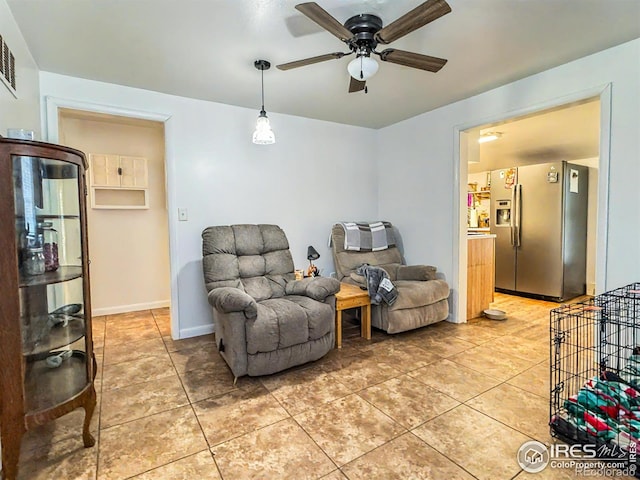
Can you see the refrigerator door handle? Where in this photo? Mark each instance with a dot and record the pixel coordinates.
(511, 222)
(517, 214)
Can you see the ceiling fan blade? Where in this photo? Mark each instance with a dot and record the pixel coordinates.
(319, 15)
(311, 61)
(356, 85)
(413, 60)
(418, 17)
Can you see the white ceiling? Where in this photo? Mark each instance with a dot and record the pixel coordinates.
(205, 49)
(570, 132)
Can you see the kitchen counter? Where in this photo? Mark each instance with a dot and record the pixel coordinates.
(479, 230)
(480, 273)
(475, 236)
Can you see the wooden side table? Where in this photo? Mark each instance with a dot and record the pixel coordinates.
(352, 296)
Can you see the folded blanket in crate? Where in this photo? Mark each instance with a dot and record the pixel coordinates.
(607, 410)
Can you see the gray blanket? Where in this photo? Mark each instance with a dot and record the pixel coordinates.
(368, 237)
(379, 286)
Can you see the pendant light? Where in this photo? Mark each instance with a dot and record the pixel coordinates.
(263, 134)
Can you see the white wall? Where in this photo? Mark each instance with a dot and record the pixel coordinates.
(23, 112)
(417, 157)
(316, 174)
(592, 220)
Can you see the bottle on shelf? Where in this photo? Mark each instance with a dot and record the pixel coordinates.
(50, 246)
(34, 263)
(473, 218)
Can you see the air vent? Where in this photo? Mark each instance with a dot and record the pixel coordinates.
(7, 67)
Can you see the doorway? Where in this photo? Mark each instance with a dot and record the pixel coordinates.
(549, 135)
(128, 240)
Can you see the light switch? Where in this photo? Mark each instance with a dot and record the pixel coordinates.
(183, 215)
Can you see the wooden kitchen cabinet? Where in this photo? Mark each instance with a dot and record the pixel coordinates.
(46, 348)
(480, 273)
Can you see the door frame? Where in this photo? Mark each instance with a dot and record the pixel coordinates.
(51, 133)
(460, 172)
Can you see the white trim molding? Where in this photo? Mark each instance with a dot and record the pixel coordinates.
(50, 130)
(136, 307)
(53, 104)
(196, 331)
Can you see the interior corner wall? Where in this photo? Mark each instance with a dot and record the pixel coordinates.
(423, 175)
(316, 173)
(24, 111)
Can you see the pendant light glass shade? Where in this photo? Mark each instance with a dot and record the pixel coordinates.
(362, 68)
(263, 135)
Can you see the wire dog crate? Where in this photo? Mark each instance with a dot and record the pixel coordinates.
(595, 372)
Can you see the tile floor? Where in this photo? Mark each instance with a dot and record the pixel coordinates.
(443, 402)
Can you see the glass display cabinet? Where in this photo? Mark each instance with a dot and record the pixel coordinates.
(46, 349)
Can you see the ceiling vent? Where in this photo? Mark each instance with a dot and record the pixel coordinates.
(7, 67)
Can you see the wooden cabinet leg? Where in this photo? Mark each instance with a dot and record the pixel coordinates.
(11, 440)
(89, 407)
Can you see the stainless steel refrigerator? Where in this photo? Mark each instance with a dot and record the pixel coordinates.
(539, 217)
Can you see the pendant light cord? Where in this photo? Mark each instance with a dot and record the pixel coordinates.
(262, 82)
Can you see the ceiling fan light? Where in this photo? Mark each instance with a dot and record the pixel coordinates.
(489, 137)
(263, 134)
(362, 68)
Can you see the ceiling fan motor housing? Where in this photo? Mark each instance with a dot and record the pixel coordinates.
(364, 27)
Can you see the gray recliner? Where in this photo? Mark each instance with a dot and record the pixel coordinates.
(422, 298)
(265, 321)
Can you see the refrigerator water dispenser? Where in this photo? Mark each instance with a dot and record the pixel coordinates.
(503, 213)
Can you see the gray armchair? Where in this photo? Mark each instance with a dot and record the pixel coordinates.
(264, 320)
(422, 298)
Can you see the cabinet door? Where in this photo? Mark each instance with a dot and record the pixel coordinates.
(480, 275)
(134, 172)
(51, 290)
(105, 170)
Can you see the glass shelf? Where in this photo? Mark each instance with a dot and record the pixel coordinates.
(47, 387)
(62, 274)
(47, 216)
(44, 337)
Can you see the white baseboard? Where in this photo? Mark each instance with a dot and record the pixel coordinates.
(136, 307)
(196, 331)
(591, 288)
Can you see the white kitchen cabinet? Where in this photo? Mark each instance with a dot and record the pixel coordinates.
(118, 181)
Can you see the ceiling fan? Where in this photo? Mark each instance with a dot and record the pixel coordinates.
(362, 34)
